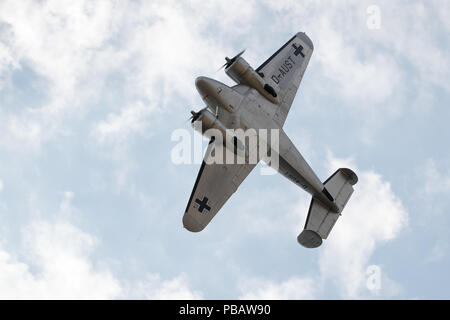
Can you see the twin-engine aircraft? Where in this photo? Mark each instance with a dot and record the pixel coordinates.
(261, 99)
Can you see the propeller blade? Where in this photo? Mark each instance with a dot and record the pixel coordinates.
(238, 55)
(231, 61)
(222, 66)
(195, 115)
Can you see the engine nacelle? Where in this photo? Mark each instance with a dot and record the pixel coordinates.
(210, 121)
(241, 72)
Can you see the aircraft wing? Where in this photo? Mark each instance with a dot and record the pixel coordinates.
(285, 69)
(214, 185)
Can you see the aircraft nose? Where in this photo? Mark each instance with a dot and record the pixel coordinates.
(205, 86)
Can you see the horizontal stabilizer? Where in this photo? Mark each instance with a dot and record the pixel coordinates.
(321, 218)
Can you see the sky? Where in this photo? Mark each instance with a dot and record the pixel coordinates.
(91, 202)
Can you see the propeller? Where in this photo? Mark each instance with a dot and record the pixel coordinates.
(195, 115)
(230, 61)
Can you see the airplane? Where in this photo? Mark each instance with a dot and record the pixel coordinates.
(261, 99)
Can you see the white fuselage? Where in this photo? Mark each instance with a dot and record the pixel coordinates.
(242, 107)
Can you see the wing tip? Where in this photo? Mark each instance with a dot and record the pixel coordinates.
(306, 39)
(190, 224)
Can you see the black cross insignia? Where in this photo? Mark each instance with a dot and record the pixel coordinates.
(298, 50)
(203, 204)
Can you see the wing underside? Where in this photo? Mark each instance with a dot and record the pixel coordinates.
(284, 70)
(214, 185)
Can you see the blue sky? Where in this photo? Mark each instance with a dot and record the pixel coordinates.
(91, 204)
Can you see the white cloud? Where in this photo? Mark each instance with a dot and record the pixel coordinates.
(7, 62)
(1, 185)
(367, 81)
(351, 65)
(20, 132)
(153, 287)
(118, 127)
(373, 216)
(401, 20)
(272, 221)
(56, 37)
(59, 266)
(157, 48)
(56, 40)
(58, 263)
(373, 71)
(293, 288)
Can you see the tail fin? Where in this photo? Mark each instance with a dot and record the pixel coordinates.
(320, 218)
